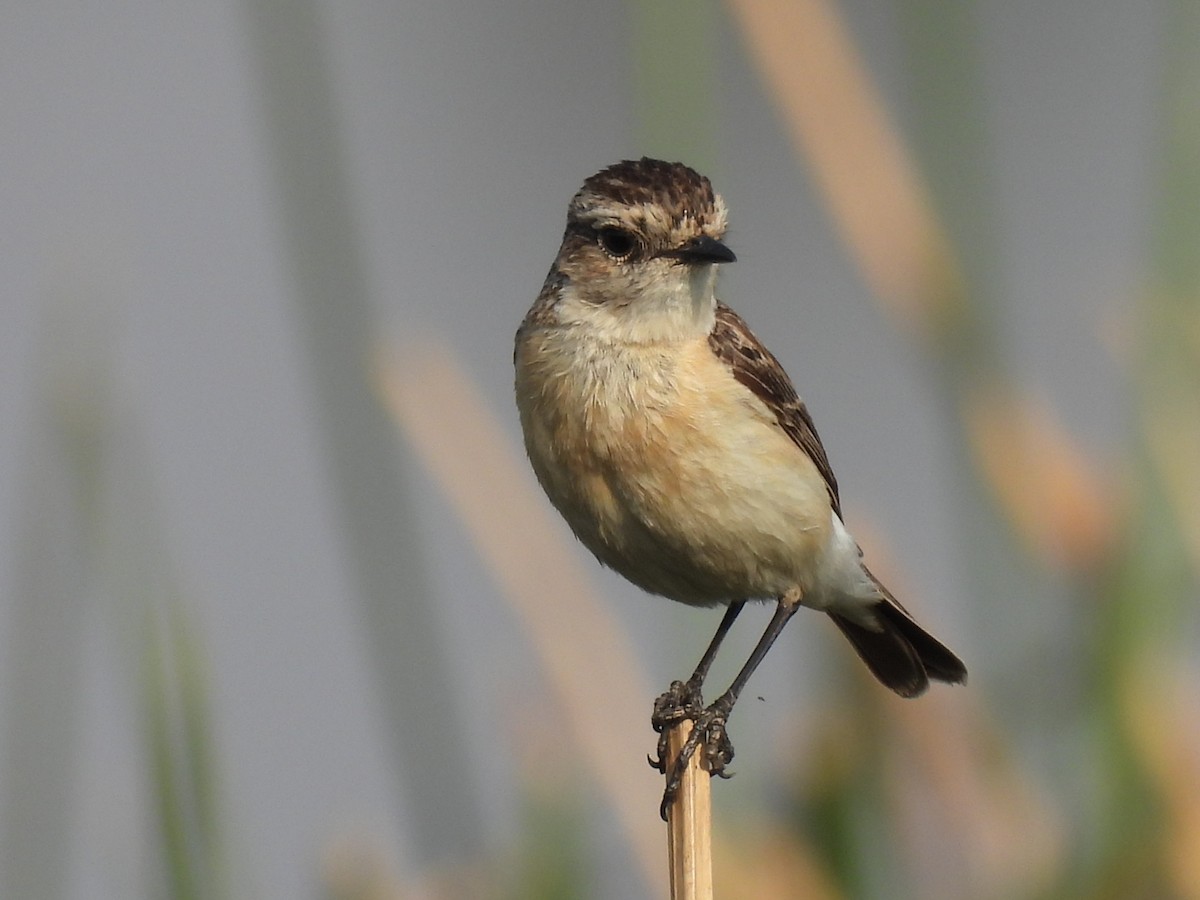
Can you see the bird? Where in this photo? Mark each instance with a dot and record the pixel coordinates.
(679, 451)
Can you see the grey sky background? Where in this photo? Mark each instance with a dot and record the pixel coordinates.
(140, 232)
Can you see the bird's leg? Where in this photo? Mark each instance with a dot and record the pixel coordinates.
(708, 726)
(683, 700)
(710, 654)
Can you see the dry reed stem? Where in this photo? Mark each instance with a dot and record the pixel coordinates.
(689, 824)
(583, 651)
(1059, 505)
(809, 64)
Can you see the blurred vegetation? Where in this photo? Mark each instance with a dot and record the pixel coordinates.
(1123, 543)
(179, 736)
(954, 796)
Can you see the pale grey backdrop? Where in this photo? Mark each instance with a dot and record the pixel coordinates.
(136, 174)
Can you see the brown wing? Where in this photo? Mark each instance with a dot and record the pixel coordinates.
(754, 366)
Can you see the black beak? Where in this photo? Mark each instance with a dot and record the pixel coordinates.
(703, 250)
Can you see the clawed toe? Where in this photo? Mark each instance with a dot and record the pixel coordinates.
(681, 701)
(709, 731)
(718, 748)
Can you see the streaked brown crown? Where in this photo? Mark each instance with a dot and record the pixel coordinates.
(673, 186)
(674, 191)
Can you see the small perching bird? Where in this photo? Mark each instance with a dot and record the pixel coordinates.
(677, 449)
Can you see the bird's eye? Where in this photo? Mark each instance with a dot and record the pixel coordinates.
(616, 242)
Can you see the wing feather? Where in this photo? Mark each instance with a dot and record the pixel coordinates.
(755, 367)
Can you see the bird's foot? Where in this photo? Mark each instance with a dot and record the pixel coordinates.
(681, 701)
(708, 731)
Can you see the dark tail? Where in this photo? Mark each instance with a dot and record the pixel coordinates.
(901, 654)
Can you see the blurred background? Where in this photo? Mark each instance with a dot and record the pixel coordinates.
(283, 613)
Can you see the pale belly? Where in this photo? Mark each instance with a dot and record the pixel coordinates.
(685, 485)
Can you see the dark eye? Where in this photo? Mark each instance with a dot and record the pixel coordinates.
(616, 242)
